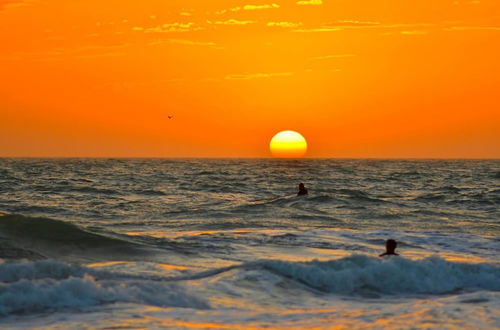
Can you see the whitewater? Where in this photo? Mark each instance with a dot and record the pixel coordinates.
(228, 244)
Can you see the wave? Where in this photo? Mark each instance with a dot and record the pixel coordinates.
(359, 196)
(33, 287)
(92, 190)
(404, 175)
(339, 197)
(47, 286)
(45, 237)
(430, 197)
(361, 275)
(448, 189)
(150, 192)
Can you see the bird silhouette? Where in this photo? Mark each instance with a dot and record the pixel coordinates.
(170, 116)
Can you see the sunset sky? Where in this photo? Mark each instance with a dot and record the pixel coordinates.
(385, 78)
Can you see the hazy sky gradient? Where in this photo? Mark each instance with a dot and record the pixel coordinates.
(357, 78)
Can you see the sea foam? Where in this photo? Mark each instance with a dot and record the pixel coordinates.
(359, 274)
(30, 287)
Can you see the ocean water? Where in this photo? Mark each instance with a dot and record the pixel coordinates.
(227, 244)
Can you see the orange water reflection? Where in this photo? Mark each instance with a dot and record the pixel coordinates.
(176, 234)
(172, 267)
(106, 263)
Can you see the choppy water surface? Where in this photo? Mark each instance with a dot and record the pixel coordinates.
(228, 244)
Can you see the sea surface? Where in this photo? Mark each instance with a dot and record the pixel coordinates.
(228, 244)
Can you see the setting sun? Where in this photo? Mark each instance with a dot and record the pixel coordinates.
(288, 144)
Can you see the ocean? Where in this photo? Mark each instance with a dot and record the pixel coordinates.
(228, 244)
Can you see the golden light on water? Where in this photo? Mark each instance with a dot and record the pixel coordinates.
(288, 144)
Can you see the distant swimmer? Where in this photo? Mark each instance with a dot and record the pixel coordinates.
(390, 248)
(302, 190)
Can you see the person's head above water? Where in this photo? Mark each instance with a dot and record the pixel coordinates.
(390, 248)
(391, 245)
(302, 189)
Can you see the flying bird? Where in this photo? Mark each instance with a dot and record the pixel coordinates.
(170, 116)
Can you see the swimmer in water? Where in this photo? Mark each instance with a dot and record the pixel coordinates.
(390, 248)
(302, 190)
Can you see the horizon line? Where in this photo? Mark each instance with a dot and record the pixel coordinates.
(250, 158)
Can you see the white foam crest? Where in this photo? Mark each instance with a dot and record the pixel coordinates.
(15, 271)
(47, 295)
(360, 274)
(30, 287)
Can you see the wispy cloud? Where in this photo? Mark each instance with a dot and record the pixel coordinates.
(169, 27)
(350, 22)
(414, 32)
(339, 25)
(248, 76)
(319, 29)
(5, 4)
(284, 24)
(231, 21)
(260, 7)
(466, 2)
(353, 24)
(185, 42)
(414, 29)
(248, 7)
(468, 28)
(224, 11)
(310, 2)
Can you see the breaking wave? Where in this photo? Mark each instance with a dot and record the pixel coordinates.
(359, 274)
(44, 286)
(47, 286)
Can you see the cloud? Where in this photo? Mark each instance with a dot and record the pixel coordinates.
(192, 42)
(414, 32)
(169, 27)
(349, 22)
(248, 76)
(469, 28)
(310, 2)
(284, 24)
(248, 7)
(5, 4)
(223, 11)
(467, 2)
(185, 42)
(260, 7)
(340, 25)
(320, 29)
(231, 21)
(353, 24)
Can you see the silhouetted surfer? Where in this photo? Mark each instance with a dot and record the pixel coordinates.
(390, 248)
(302, 190)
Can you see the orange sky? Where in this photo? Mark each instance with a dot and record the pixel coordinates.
(385, 78)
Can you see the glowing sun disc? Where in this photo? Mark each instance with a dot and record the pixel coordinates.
(288, 144)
